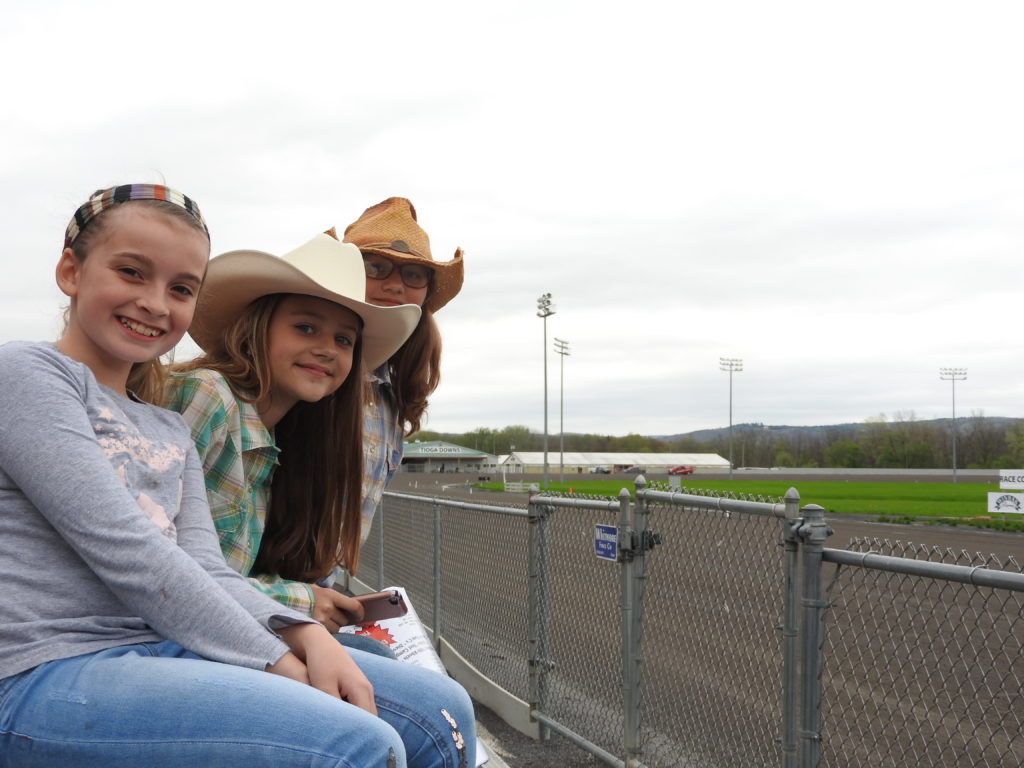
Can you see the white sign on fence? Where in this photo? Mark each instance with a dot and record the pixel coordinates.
(1006, 502)
(1011, 479)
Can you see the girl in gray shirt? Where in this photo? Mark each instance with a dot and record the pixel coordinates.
(125, 640)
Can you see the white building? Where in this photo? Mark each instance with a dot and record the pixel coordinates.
(576, 462)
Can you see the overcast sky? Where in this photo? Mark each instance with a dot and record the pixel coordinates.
(833, 192)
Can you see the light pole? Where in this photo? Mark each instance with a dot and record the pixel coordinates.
(732, 365)
(544, 310)
(562, 348)
(953, 375)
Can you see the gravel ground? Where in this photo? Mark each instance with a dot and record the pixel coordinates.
(515, 750)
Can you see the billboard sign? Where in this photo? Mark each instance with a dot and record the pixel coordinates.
(1011, 479)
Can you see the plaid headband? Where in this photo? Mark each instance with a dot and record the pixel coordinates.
(102, 199)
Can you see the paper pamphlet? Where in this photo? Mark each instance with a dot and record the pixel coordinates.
(405, 636)
(408, 639)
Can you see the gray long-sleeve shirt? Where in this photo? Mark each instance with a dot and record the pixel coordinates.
(105, 534)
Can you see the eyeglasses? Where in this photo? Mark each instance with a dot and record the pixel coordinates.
(413, 275)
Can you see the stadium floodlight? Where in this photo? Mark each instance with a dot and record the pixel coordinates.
(561, 348)
(953, 375)
(732, 365)
(544, 310)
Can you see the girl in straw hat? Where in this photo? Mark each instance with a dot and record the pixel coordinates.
(274, 408)
(399, 270)
(148, 650)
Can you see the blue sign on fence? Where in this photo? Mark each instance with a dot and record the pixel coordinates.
(606, 542)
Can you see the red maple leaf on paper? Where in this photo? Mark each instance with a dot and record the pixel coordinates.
(377, 632)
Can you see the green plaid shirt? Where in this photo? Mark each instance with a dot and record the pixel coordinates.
(239, 456)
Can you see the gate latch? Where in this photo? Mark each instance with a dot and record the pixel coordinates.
(633, 543)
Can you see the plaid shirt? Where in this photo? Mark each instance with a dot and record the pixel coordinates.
(382, 443)
(239, 456)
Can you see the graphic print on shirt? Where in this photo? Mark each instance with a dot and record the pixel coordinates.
(142, 464)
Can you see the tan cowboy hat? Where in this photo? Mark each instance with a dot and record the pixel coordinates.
(390, 229)
(324, 268)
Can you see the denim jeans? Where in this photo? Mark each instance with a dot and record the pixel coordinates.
(155, 704)
(364, 643)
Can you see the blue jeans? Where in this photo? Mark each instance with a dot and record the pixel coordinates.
(156, 704)
(363, 643)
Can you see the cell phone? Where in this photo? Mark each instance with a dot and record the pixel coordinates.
(378, 606)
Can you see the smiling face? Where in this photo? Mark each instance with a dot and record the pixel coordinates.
(133, 295)
(392, 290)
(310, 352)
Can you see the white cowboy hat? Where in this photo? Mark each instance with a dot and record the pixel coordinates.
(324, 268)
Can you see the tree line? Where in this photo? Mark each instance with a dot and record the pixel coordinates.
(899, 441)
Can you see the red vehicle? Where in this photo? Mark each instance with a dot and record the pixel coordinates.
(681, 471)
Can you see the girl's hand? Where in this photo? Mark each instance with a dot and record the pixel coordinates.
(328, 665)
(333, 609)
(290, 666)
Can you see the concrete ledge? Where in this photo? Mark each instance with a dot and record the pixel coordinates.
(509, 708)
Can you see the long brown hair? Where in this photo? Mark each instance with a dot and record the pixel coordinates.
(415, 371)
(315, 494)
(145, 379)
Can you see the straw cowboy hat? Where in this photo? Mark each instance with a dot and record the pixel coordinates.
(390, 229)
(324, 268)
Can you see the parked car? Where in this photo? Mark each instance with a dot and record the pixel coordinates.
(600, 471)
(681, 470)
(634, 470)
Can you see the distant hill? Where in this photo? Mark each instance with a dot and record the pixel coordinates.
(833, 431)
(782, 431)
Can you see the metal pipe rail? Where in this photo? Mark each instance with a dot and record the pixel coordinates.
(573, 502)
(740, 506)
(456, 504)
(962, 574)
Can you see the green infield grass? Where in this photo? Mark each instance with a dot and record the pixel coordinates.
(898, 502)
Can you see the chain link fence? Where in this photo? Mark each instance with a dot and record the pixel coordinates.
(712, 636)
(720, 631)
(463, 566)
(921, 669)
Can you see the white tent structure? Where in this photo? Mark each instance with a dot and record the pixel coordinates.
(583, 462)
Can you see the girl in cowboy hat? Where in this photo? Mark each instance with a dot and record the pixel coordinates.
(274, 407)
(148, 650)
(399, 270)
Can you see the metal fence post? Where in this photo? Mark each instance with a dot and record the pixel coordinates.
(437, 573)
(380, 545)
(632, 556)
(538, 610)
(813, 532)
(790, 629)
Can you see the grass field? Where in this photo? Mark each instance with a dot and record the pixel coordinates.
(899, 502)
